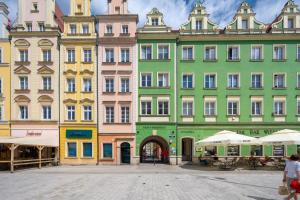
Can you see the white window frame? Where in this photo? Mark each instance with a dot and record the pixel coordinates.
(216, 52)
(298, 52)
(193, 81)
(67, 149)
(168, 79)
(141, 109)
(209, 100)
(149, 73)
(127, 57)
(87, 142)
(216, 80)
(126, 117)
(261, 101)
(285, 79)
(238, 101)
(67, 113)
(193, 107)
(123, 78)
(141, 53)
(262, 79)
(163, 45)
(261, 46)
(193, 52)
(20, 112)
(279, 99)
(112, 115)
(84, 111)
(284, 51)
(239, 52)
(239, 80)
(163, 100)
(47, 112)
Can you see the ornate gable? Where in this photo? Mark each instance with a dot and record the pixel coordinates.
(155, 22)
(244, 21)
(45, 43)
(22, 43)
(289, 19)
(199, 22)
(22, 70)
(22, 99)
(45, 70)
(45, 98)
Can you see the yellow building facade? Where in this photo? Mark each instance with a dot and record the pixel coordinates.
(78, 110)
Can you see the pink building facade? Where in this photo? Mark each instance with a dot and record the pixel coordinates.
(117, 85)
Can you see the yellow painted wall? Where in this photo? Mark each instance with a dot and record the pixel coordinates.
(79, 160)
(5, 76)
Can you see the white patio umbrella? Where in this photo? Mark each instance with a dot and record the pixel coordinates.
(283, 137)
(228, 138)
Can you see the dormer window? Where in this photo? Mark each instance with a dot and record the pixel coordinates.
(73, 28)
(117, 10)
(79, 8)
(290, 23)
(244, 24)
(35, 6)
(42, 27)
(198, 25)
(199, 11)
(109, 29)
(154, 21)
(245, 11)
(29, 27)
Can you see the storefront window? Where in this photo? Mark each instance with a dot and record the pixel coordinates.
(87, 150)
(72, 149)
(278, 150)
(210, 151)
(107, 150)
(256, 150)
(233, 150)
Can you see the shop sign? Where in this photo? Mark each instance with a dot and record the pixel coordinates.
(257, 132)
(34, 133)
(78, 134)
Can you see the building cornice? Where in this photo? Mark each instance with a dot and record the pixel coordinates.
(129, 17)
(158, 36)
(71, 41)
(78, 18)
(24, 34)
(113, 40)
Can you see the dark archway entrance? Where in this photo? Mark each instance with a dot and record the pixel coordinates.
(125, 153)
(154, 149)
(187, 149)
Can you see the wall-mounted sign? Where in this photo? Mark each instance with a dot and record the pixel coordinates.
(34, 133)
(79, 134)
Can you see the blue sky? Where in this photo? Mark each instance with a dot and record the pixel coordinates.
(176, 11)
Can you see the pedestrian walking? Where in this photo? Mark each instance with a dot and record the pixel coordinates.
(292, 175)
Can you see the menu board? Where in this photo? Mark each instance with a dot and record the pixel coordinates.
(278, 150)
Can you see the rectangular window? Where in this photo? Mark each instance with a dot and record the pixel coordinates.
(279, 107)
(210, 53)
(125, 85)
(298, 107)
(125, 56)
(154, 21)
(146, 80)
(210, 81)
(256, 81)
(109, 29)
(163, 107)
(71, 55)
(47, 83)
(85, 29)
(47, 112)
(146, 108)
(87, 113)
(233, 81)
(29, 27)
(187, 53)
(107, 150)
(42, 27)
(256, 53)
(47, 55)
(125, 114)
(1, 113)
(109, 85)
(87, 149)
(1, 88)
(256, 150)
(24, 55)
(73, 28)
(71, 113)
(163, 80)
(290, 23)
(279, 81)
(187, 81)
(279, 52)
(71, 85)
(233, 108)
(245, 24)
(187, 109)
(35, 6)
(146, 52)
(256, 108)
(198, 25)
(110, 114)
(87, 55)
(233, 53)
(72, 149)
(87, 85)
(125, 29)
(23, 112)
(210, 108)
(1, 59)
(163, 52)
(109, 55)
(23, 83)
(298, 52)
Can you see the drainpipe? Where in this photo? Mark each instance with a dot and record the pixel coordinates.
(10, 74)
(176, 99)
(59, 102)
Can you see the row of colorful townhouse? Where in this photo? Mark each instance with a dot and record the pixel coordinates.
(113, 93)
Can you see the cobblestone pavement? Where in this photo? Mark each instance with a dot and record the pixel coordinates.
(143, 182)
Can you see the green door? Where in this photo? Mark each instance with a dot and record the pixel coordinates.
(125, 153)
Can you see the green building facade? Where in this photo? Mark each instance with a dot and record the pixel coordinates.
(244, 78)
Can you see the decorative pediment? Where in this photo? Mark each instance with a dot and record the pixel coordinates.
(22, 70)
(22, 99)
(86, 100)
(22, 43)
(70, 101)
(45, 43)
(70, 72)
(86, 71)
(290, 7)
(45, 98)
(45, 70)
(244, 21)
(155, 22)
(198, 21)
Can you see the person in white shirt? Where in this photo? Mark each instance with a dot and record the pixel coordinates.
(292, 172)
